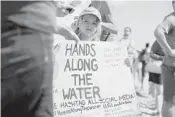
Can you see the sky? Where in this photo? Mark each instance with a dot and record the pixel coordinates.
(141, 16)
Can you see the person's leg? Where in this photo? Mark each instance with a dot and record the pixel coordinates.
(168, 109)
(143, 68)
(143, 74)
(139, 76)
(151, 84)
(159, 98)
(152, 89)
(26, 71)
(135, 74)
(139, 71)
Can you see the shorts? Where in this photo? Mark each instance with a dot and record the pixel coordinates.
(168, 82)
(155, 78)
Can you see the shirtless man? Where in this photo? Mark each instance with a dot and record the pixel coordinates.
(165, 35)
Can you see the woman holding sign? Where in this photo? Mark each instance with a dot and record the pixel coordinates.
(89, 28)
(80, 63)
(88, 25)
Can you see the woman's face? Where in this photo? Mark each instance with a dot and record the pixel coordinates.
(88, 25)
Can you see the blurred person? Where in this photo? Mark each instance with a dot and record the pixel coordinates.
(128, 42)
(127, 39)
(137, 71)
(108, 26)
(143, 58)
(155, 80)
(27, 64)
(165, 35)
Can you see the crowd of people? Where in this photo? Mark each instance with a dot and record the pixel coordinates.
(27, 53)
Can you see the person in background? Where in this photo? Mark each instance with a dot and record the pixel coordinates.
(155, 79)
(143, 58)
(165, 35)
(127, 38)
(27, 64)
(137, 71)
(127, 41)
(108, 26)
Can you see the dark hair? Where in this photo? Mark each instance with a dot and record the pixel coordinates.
(70, 10)
(128, 28)
(147, 45)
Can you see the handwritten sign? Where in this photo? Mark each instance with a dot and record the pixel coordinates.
(92, 78)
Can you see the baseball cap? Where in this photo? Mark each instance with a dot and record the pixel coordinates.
(91, 11)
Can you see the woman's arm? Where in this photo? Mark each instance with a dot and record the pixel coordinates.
(156, 56)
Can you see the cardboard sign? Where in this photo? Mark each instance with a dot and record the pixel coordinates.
(92, 79)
